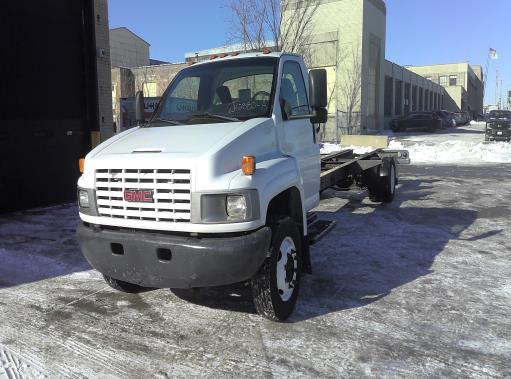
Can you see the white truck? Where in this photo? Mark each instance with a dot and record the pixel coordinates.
(217, 187)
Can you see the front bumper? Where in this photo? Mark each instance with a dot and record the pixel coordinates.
(168, 261)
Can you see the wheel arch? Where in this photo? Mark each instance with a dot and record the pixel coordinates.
(288, 203)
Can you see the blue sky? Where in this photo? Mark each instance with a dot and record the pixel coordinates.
(418, 31)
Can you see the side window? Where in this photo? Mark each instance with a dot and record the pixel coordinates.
(184, 96)
(292, 89)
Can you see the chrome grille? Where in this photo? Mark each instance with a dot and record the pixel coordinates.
(171, 192)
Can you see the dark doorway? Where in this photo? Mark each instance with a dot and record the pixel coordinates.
(48, 99)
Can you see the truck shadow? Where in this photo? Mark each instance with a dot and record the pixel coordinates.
(373, 250)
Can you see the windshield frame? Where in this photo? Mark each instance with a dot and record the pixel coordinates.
(270, 60)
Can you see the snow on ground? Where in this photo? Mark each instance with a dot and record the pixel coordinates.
(463, 145)
(416, 288)
(458, 152)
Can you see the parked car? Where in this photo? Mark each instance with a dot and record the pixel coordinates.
(417, 120)
(447, 119)
(498, 126)
(462, 118)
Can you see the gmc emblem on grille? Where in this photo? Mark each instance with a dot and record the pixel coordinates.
(138, 196)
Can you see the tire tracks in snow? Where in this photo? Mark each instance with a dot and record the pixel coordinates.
(13, 367)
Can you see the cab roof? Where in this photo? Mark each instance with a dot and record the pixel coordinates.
(258, 54)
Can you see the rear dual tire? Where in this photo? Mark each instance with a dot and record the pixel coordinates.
(382, 189)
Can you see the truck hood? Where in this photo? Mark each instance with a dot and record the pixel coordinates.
(191, 140)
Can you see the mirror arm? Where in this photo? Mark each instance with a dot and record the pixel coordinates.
(302, 116)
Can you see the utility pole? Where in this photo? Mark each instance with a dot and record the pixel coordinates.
(501, 102)
(497, 90)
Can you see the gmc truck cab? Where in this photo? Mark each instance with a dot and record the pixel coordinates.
(216, 187)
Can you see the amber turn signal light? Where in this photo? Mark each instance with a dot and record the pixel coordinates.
(248, 165)
(81, 164)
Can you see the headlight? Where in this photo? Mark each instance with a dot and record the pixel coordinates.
(83, 199)
(236, 207)
(221, 208)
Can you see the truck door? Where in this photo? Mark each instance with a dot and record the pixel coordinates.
(298, 134)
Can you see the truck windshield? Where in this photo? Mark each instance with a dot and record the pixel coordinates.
(222, 91)
(500, 114)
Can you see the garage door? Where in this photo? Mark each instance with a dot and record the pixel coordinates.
(48, 100)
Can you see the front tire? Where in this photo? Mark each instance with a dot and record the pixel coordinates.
(275, 287)
(122, 286)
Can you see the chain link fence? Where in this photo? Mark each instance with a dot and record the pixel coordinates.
(340, 124)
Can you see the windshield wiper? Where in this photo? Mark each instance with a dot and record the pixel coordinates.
(213, 115)
(165, 120)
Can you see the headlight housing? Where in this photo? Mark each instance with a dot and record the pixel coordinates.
(83, 199)
(225, 208)
(87, 201)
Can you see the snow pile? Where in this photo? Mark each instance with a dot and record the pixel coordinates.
(440, 152)
(456, 151)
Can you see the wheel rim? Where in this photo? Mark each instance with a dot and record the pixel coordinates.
(392, 179)
(287, 265)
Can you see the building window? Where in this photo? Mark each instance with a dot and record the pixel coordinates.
(453, 80)
(407, 98)
(373, 83)
(388, 96)
(414, 98)
(398, 99)
(443, 81)
(150, 89)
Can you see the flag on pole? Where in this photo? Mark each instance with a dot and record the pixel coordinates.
(493, 54)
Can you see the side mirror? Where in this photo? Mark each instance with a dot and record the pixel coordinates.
(320, 116)
(318, 96)
(318, 88)
(139, 108)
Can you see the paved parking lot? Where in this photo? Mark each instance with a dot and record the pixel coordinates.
(418, 288)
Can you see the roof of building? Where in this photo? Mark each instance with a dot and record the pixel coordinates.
(156, 62)
(123, 28)
(438, 64)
